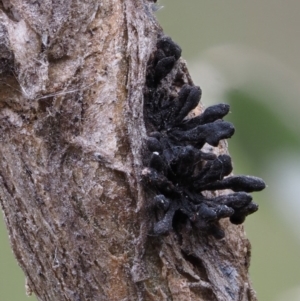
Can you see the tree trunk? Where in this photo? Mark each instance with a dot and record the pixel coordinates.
(72, 75)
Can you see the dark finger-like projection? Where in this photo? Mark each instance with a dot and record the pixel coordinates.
(179, 171)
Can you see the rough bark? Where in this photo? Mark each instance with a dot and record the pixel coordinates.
(71, 129)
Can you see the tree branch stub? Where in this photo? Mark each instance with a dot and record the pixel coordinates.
(72, 131)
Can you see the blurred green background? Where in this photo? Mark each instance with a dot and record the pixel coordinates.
(245, 53)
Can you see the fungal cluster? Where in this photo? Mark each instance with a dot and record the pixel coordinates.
(177, 168)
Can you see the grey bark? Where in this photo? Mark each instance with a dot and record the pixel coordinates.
(71, 129)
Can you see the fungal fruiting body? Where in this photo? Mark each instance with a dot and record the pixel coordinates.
(178, 170)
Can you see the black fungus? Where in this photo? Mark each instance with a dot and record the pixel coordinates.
(176, 169)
